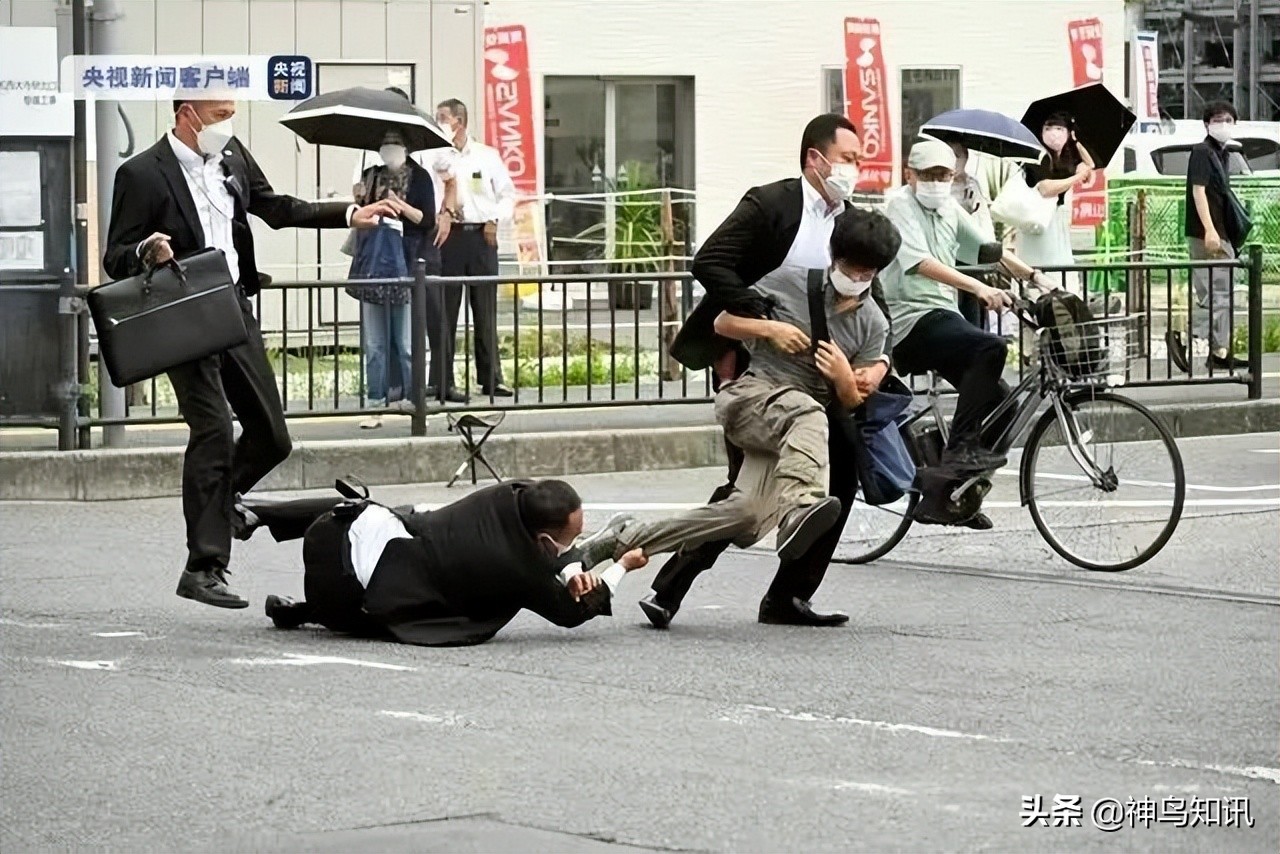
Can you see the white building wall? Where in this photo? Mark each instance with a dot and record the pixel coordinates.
(757, 64)
(356, 31)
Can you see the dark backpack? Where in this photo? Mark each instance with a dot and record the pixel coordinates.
(1079, 350)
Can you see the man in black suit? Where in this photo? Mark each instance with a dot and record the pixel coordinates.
(788, 222)
(194, 189)
(448, 577)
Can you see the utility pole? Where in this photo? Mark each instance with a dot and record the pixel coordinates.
(105, 18)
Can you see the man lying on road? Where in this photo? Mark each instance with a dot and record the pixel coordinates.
(448, 577)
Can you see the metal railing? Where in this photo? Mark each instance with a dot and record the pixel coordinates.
(601, 340)
(1162, 295)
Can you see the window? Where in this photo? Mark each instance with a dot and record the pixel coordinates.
(926, 92)
(605, 133)
(833, 89)
(1130, 159)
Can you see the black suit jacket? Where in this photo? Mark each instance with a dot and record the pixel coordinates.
(151, 195)
(468, 569)
(751, 243)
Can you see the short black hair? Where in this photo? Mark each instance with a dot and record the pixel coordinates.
(456, 108)
(546, 505)
(821, 132)
(1219, 108)
(1060, 119)
(865, 239)
(399, 91)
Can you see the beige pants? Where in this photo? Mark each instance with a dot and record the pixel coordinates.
(782, 432)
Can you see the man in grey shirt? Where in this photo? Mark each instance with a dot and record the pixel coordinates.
(775, 411)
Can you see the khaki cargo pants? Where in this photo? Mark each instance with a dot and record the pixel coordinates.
(782, 432)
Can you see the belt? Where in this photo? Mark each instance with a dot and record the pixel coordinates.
(470, 226)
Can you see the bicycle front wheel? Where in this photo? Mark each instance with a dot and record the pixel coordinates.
(873, 532)
(1106, 487)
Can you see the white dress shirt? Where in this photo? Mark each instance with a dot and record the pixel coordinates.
(485, 190)
(369, 534)
(214, 204)
(438, 161)
(612, 576)
(812, 246)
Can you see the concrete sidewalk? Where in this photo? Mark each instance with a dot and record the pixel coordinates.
(645, 413)
(149, 472)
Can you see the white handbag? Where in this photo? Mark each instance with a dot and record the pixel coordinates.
(1023, 207)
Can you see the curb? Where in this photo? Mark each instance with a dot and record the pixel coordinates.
(110, 474)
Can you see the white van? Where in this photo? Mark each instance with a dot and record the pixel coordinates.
(1255, 151)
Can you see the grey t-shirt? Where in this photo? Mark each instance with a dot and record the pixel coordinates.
(860, 333)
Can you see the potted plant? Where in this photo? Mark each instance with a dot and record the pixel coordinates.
(637, 238)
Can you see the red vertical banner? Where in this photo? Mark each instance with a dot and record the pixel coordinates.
(1086, 51)
(866, 92)
(508, 127)
(508, 97)
(1089, 201)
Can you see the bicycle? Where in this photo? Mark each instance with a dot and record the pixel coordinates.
(1062, 447)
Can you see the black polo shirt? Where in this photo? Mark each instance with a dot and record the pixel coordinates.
(1201, 172)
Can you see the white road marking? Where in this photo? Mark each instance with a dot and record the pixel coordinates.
(869, 788)
(119, 634)
(1264, 450)
(447, 719)
(21, 625)
(90, 665)
(298, 660)
(1252, 772)
(709, 607)
(742, 713)
(1190, 502)
(1266, 487)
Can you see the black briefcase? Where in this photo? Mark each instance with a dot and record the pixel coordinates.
(170, 315)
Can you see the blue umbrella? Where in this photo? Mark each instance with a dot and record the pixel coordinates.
(986, 131)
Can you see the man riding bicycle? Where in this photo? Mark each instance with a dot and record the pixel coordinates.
(921, 287)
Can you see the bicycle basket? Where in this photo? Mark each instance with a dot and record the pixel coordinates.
(1092, 351)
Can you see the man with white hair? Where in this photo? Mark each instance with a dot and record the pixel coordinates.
(929, 333)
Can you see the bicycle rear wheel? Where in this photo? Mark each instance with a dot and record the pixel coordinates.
(873, 532)
(1126, 519)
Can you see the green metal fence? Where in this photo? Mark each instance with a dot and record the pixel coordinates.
(1146, 220)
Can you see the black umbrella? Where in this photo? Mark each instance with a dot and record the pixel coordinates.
(360, 118)
(1101, 120)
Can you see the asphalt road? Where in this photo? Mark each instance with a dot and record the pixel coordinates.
(978, 670)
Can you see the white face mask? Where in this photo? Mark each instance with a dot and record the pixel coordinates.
(1222, 131)
(1055, 138)
(847, 286)
(560, 548)
(933, 194)
(842, 180)
(393, 155)
(212, 138)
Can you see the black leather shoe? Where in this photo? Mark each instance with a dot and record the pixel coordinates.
(499, 390)
(285, 613)
(659, 615)
(455, 395)
(1226, 363)
(797, 612)
(804, 525)
(210, 587)
(1177, 351)
(979, 522)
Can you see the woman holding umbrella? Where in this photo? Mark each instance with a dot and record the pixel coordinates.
(386, 122)
(1066, 166)
(391, 251)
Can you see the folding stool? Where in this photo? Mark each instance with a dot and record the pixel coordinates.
(466, 427)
